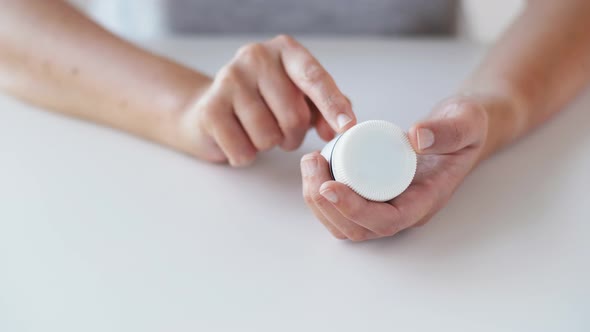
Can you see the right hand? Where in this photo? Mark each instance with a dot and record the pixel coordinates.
(268, 95)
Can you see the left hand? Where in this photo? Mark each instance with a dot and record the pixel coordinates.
(449, 144)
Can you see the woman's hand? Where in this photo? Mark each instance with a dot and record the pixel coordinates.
(270, 94)
(449, 143)
(267, 96)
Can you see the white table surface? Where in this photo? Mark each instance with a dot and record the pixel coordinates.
(100, 231)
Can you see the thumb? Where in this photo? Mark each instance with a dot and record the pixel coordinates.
(452, 126)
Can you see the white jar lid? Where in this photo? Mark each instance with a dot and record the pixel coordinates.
(374, 158)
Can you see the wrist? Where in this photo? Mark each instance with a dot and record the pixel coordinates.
(506, 112)
(181, 91)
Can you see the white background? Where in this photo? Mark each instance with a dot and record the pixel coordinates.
(100, 231)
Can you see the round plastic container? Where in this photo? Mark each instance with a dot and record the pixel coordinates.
(373, 158)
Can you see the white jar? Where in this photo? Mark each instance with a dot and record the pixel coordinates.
(374, 158)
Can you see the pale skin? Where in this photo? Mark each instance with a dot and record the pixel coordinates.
(271, 93)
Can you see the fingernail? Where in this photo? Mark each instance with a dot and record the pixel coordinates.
(310, 166)
(330, 195)
(241, 161)
(425, 138)
(233, 161)
(342, 120)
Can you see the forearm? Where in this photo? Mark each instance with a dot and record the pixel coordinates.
(53, 56)
(541, 63)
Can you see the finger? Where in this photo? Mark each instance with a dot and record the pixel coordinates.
(415, 205)
(314, 81)
(424, 220)
(316, 211)
(307, 195)
(287, 104)
(327, 223)
(263, 69)
(232, 139)
(257, 120)
(381, 218)
(314, 169)
(319, 122)
(455, 125)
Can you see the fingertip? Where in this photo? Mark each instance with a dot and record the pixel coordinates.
(244, 158)
(421, 138)
(340, 190)
(322, 160)
(309, 155)
(340, 236)
(329, 194)
(308, 165)
(315, 167)
(346, 118)
(242, 161)
(424, 138)
(344, 122)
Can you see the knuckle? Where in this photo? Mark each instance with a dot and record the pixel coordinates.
(313, 73)
(228, 75)
(352, 212)
(295, 120)
(334, 105)
(458, 135)
(317, 198)
(206, 114)
(304, 165)
(253, 107)
(209, 112)
(475, 112)
(308, 199)
(251, 54)
(468, 122)
(285, 39)
(291, 144)
(469, 107)
(267, 142)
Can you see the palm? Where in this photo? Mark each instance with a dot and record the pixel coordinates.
(437, 177)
